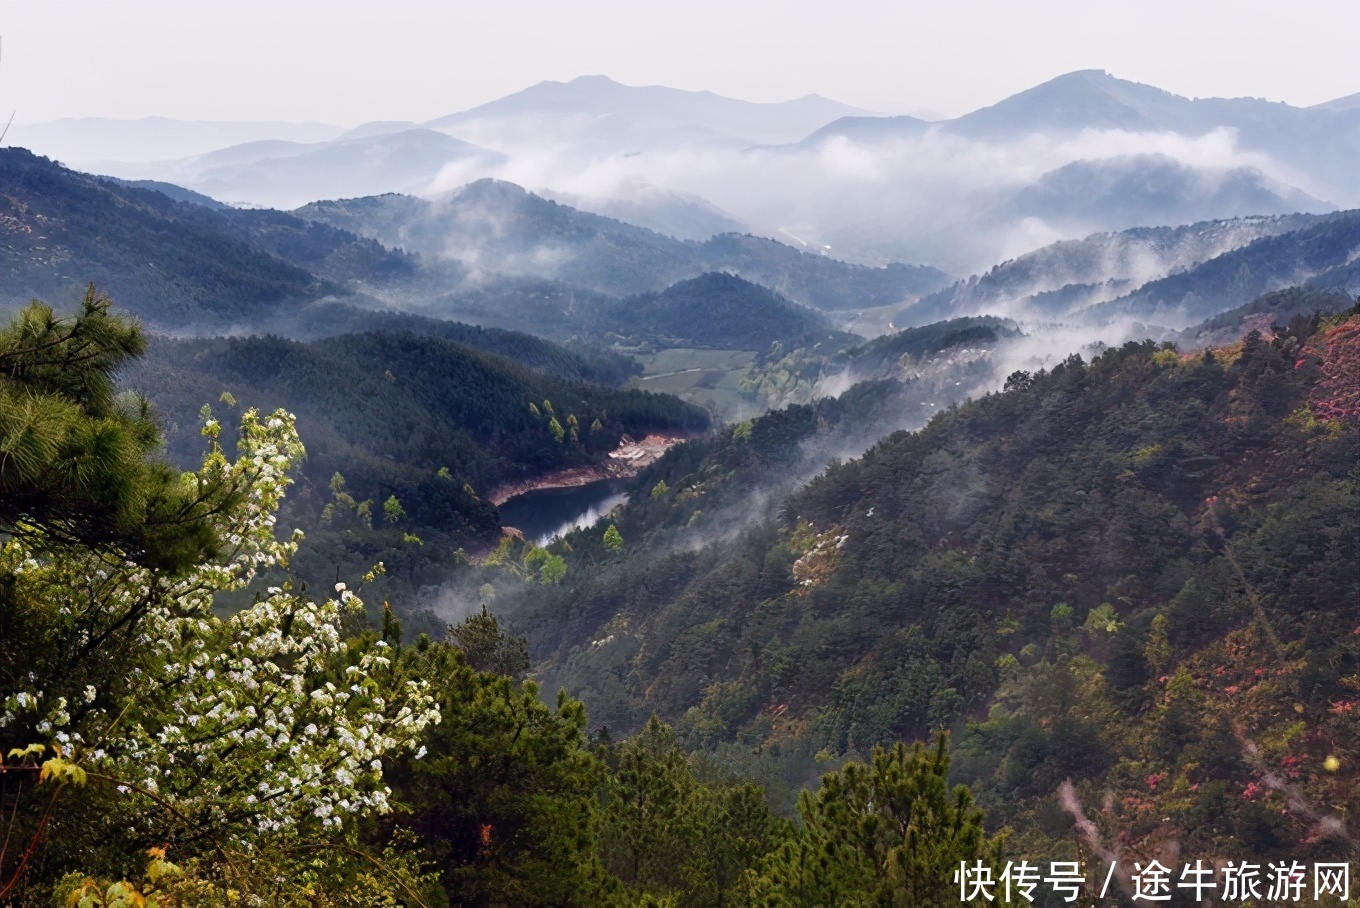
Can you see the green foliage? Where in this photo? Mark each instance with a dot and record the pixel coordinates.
(451, 408)
(286, 754)
(175, 265)
(75, 458)
(503, 802)
(1158, 648)
(888, 832)
(260, 732)
(1206, 533)
(667, 835)
(1118, 571)
(487, 648)
(553, 571)
(1103, 618)
(719, 311)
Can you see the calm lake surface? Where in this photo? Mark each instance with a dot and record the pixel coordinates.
(548, 513)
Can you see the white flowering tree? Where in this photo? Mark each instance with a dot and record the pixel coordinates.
(137, 709)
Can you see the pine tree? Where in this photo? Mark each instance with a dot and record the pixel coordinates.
(487, 648)
(76, 460)
(888, 832)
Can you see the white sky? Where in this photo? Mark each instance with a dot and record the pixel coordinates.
(350, 62)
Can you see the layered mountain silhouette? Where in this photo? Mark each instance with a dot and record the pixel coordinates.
(1083, 152)
(180, 266)
(1149, 190)
(287, 174)
(1318, 142)
(1171, 277)
(606, 114)
(496, 229)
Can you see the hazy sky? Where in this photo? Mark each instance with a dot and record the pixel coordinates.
(350, 62)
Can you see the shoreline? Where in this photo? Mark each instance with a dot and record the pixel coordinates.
(624, 462)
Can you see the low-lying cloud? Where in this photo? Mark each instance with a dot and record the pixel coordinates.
(936, 197)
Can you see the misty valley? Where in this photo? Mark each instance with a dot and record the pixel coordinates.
(618, 496)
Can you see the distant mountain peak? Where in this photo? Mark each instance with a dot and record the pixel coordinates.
(491, 188)
(1087, 98)
(1340, 105)
(1089, 74)
(633, 116)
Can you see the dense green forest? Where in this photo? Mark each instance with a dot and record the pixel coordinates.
(175, 264)
(157, 752)
(264, 642)
(881, 354)
(570, 359)
(430, 424)
(1137, 574)
(718, 311)
(951, 357)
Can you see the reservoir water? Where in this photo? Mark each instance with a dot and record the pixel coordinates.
(545, 514)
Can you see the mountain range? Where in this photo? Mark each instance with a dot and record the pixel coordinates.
(1313, 142)
(496, 229)
(288, 174)
(493, 253)
(1180, 273)
(597, 112)
(1088, 516)
(1083, 152)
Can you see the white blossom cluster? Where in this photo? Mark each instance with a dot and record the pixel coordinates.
(256, 722)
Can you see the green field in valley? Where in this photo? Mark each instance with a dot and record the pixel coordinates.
(709, 378)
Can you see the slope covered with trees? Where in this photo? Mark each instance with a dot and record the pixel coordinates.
(495, 228)
(572, 359)
(718, 311)
(1059, 278)
(175, 264)
(159, 752)
(407, 435)
(1322, 255)
(1136, 575)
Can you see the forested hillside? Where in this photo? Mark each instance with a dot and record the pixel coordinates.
(430, 424)
(1277, 308)
(573, 359)
(493, 228)
(175, 734)
(952, 358)
(1067, 275)
(178, 265)
(447, 543)
(1138, 573)
(719, 311)
(1322, 255)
